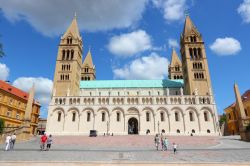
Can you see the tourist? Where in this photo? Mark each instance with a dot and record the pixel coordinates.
(165, 144)
(175, 147)
(162, 144)
(157, 141)
(43, 141)
(12, 141)
(49, 142)
(7, 142)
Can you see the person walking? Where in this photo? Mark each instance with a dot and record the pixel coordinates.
(49, 142)
(43, 141)
(175, 148)
(165, 143)
(12, 141)
(7, 142)
(157, 141)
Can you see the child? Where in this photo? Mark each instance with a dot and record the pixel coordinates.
(175, 148)
(49, 142)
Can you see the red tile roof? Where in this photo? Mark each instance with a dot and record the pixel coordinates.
(15, 91)
(244, 97)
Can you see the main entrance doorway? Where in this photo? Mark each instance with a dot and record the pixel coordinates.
(132, 126)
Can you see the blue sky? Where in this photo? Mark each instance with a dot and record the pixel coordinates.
(30, 32)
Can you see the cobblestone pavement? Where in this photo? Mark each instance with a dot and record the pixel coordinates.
(132, 149)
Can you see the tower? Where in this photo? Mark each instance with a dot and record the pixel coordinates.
(68, 63)
(88, 69)
(175, 67)
(194, 61)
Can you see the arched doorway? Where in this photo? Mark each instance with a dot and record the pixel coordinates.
(132, 126)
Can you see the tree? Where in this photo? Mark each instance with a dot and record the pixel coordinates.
(223, 119)
(1, 126)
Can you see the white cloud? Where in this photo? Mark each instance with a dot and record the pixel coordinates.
(43, 87)
(174, 10)
(172, 43)
(226, 46)
(244, 11)
(147, 67)
(4, 72)
(128, 44)
(53, 17)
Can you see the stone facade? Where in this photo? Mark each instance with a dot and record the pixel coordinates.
(120, 107)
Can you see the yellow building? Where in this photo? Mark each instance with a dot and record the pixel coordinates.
(13, 102)
(232, 116)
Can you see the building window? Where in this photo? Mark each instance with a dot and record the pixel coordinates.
(8, 113)
(246, 112)
(18, 116)
(162, 117)
(103, 116)
(191, 116)
(59, 116)
(206, 116)
(73, 117)
(178, 131)
(118, 116)
(193, 131)
(88, 116)
(147, 116)
(208, 131)
(176, 116)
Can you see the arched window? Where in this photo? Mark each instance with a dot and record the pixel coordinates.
(103, 116)
(88, 116)
(178, 131)
(73, 117)
(176, 116)
(59, 116)
(191, 53)
(193, 131)
(195, 53)
(191, 116)
(206, 116)
(63, 55)
(208, 131)
(199, 53)
(175, 77)
(118, 116)
(147, 116)
(68, 52)
(72, 54)
(162, 117)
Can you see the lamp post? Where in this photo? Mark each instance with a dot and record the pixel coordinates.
(158, 127)
(107, 127)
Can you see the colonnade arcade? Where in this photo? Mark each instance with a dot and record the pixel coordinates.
(133, 120)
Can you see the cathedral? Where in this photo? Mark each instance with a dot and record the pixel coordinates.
(183, 104)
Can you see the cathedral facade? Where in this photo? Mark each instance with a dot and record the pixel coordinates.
(180, 105)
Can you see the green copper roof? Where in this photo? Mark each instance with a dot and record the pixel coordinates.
(131, 84)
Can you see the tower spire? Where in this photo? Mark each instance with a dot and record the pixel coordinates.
(73, 29)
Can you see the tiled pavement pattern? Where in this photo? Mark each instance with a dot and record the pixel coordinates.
(132, 149)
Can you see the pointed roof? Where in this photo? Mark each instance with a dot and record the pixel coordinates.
(73, 30)
(189, 26)
(88, 60)
(175, 59)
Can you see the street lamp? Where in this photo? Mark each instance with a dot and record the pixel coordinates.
(158, 127)
(107, 127)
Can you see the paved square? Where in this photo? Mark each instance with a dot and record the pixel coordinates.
(131, 149)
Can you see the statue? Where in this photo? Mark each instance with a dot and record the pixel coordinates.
(68, 92)
(181, 91)
(167, 92)
(196, 92)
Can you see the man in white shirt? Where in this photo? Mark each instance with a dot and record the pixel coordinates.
(7, 142)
